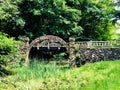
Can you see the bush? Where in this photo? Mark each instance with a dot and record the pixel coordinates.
(8, 53)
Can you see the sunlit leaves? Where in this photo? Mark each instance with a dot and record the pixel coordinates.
(8, 9)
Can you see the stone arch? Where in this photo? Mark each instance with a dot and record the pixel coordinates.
(50, 38)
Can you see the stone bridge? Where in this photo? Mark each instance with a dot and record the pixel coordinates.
(48, 41)
(87, 50)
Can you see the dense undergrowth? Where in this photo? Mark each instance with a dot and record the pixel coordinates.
(40, 76)
(8, 54)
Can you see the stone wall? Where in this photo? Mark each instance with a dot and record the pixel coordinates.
(97, 54)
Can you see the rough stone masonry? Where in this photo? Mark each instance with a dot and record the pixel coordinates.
(97, 54)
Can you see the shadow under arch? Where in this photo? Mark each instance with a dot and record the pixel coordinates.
(50, 39)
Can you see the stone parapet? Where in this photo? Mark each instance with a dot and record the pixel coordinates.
(97, 54)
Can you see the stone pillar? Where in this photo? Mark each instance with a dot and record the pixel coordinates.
(24, 47)
(72, 62)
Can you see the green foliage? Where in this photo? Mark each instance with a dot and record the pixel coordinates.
(96, 20)
(93, 76)
(8, 9)
(52, 16)
(8, 53)
(82, 19)
(6, 44)
(39, 69)
(60, 56)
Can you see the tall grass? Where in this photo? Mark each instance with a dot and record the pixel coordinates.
(40, 69)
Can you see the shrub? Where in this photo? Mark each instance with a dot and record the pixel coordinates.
(8, 53)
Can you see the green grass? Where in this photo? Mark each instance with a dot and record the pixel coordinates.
(103, 75)
(40, 70)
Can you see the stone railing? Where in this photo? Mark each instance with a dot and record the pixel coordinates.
(98, 44)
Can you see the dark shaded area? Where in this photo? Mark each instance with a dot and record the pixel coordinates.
(4, 72)
(4, 52)
(45, 53)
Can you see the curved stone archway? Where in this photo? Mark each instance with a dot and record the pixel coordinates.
(49, 38)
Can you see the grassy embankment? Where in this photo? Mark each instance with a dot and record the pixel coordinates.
(103, 75)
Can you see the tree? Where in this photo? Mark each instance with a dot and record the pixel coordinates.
(95, 19)
(82, 19)
(50, 17)
(9, 10)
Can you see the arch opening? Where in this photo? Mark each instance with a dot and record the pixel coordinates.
(45, 47)
(45, 53)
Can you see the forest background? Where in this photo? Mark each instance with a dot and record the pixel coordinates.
(81, 19)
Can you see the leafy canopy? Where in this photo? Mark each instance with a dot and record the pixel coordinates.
(50, 17)
(82, 19)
